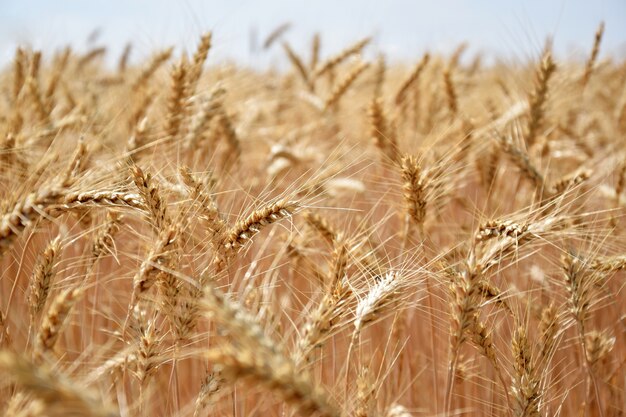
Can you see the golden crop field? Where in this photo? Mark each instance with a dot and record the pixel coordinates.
(340, 237)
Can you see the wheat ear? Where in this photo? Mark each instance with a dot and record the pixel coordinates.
(593, 56)
(538, 98)
(335, 60)
(54, 321)
(343, 85)
(198, 60)
(61, 396)
(42, 277)
(383, 132)
(412, 78)
(256, 360)
(245, 229)
(299, 66)
(155, 63)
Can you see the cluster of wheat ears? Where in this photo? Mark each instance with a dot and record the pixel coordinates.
(341, 238)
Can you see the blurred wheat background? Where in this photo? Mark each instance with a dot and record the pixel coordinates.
(417, 212)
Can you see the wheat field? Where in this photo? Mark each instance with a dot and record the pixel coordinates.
(340, 237)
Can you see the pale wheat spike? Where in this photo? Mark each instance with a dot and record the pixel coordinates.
(229, 133)
(103, 240)
(501, 248)
(365, 393)
(339, 263)
(276, 34)
(122, 63)
(185, 318)
(277, 374)
(315, 51)
(523, 162)
(451, 93)
(608, 264)
(176, 106)
(198, 60)
(593, 57)
(465, 302)
(322, 321)
(343, 85)
(490, 292)
(23, 213)
(379, 75)
(54, 321)
(103, 198)
(599, 344)
(483, 340)
(137, 140)
(335, 60)
(151, 67)
(77, 164)
(302, 263)
(397, 410)
(499, 228)
(139, 114)
(411, 79)
(236, 320)
(59, 69)
(537, 99)
(33, 88)
(5, 337)
(170, 286)
(19, 72)
(22, 405)
(211, 386)
(570, 181)
(35, 65)
(90, 56)
(254, 358)
(147, 350)
(209, 211)
(321, 226)
(526, 388)
(156, 262)
(69, 97)
(548, 329)
(154, 202)
(246, 228)
(210, 108)
(60, 395)
(41, 279)
(456, 55)
(579, 282)
(299, 66)
(414, 189)
(381, 297)
(383, 132)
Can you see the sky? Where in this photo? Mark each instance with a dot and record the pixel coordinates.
(403, 29)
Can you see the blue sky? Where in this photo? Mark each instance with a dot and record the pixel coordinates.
(403, 29)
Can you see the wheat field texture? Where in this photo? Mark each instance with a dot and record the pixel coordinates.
(340, 237)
